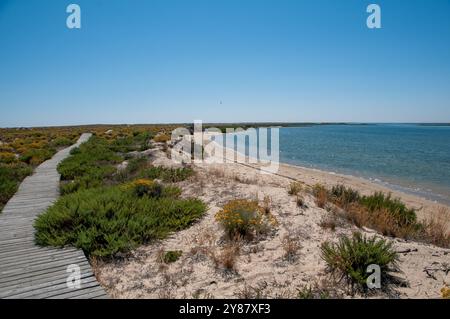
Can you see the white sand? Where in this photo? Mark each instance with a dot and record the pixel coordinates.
(261, 269)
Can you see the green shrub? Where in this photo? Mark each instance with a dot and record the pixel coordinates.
(351, 256)
(75, 151)
(136, 164)
(108, 220)
(138, 141)
(169, 175)
(171, 256)
(134, 167)
(309, 292)
(91, 164)
(380, 202)
(344, 196)
(61, 142)
(35, 157)
(10, 177)
(145, 187)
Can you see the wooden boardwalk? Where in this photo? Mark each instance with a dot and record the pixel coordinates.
(30, 271)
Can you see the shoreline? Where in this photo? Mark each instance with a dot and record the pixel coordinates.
(397, 188)
(425, 186)
(417, 191)
(259, 267)
(424, 206)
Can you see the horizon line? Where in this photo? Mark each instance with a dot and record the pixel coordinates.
(225, 123)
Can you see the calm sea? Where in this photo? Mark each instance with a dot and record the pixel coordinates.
(408, 157)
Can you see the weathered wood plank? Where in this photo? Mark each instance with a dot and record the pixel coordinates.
(29, 276)
(39, 278)
(54, 290)
(30, 271)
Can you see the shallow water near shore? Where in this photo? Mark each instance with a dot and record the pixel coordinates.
(412, 158)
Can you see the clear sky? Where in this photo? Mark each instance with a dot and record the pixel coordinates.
(223, 61)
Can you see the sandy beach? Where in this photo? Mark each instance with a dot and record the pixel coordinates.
(261, 269)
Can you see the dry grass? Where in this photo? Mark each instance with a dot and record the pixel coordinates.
(382, 221)
(445, 292)
(300, 201)
(329, 222)
(322, 290)
(258, 291)
(295, 188)
(321, 195)
(244, 180)
(204, 243)
(355, 215)
(161, 138)
(227, 258)
(217, 172)
(436, 228)
(384, 214)
(96, 265)
(433, 230)
(267, 205)
(291, 246)
(166, 293)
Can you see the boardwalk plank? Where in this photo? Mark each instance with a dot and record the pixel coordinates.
(30, 271)
(29, 276)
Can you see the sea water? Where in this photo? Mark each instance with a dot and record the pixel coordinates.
(413, 158)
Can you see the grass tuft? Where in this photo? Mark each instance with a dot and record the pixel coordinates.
(351, 256)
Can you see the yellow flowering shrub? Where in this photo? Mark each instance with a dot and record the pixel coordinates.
(7, 157)
(445, 291)
(161, 138)
(244, 217)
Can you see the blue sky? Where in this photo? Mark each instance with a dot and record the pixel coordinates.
(223, 61)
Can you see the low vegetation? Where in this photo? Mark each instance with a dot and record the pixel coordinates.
(227, 258)
(106, 221)
(10, 177)
(435, 229)
(95, 162)
(244, 218)
(21, 150)
(316, 292)
(161, 138)
(445, 292)
(169, 175)
(329, 222)
(350, 257)
(385, 214)
(145, 187)
(343, 196)
(90, 165)
(321, 195)
(171, 256)
(291, 246)
(111, 199)
(295, 188)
